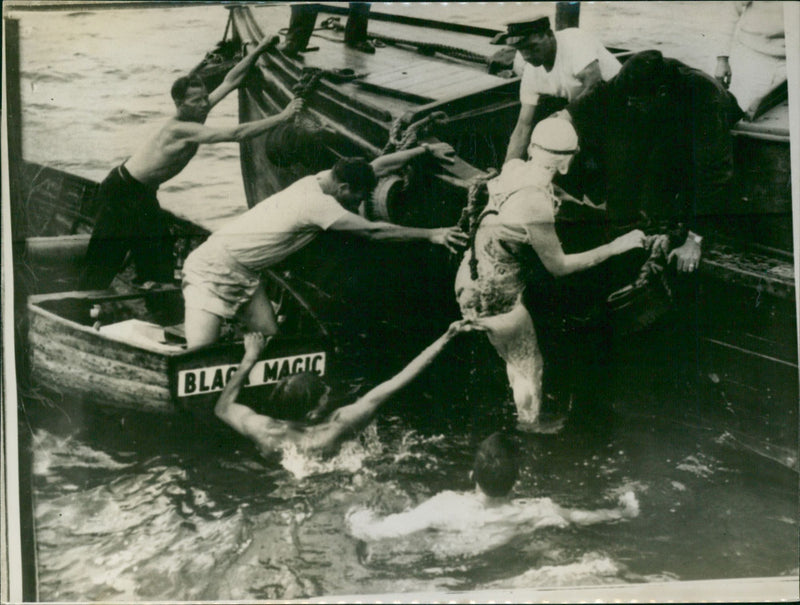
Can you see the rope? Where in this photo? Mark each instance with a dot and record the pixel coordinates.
(473, 261)
(404, 136)
(429, 48)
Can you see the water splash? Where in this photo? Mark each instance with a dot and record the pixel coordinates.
(52, 452)
(350, 457)
(592, 568)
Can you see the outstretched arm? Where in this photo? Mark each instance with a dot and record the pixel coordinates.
(235, 76)
(545, 242)
(357, 415)
(386, 164)
(200, 134)
(629, 508)
(237, 416)
(450, 237)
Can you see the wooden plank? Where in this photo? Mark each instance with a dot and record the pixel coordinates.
(425, 78)
(89, 341)
(78, 361)
(88, 388)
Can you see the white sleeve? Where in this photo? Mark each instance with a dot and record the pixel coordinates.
(729, 19)
(582, 50)
(325, 211)
(528, 87)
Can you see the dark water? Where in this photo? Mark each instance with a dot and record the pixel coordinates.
(133, 508)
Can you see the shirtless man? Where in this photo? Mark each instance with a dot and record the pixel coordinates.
(303, 401)
(488, 513)
(129, 216)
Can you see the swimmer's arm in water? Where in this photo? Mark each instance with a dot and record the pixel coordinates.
(629, 508)
(364, 525)
(356, 416)
(239, 417)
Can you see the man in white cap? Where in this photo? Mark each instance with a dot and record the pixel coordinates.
(562, 64)
(514, 243)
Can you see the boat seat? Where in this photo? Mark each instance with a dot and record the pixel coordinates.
(140, 333)
(175, 334)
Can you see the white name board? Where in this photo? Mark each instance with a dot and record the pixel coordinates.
(201, 381)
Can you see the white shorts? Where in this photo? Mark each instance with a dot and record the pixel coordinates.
(215, 282)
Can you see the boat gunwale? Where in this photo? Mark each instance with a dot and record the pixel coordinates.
(34, 306)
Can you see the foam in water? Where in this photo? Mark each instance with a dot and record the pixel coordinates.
(52, 452)
(350, 457)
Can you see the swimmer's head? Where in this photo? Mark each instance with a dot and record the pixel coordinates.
(496, 468)
(300, 398)
(553, 144)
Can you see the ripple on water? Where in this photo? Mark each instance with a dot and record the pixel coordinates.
(144, 536)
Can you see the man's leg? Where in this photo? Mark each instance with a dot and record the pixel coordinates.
(258, 314)
(202, 328)
(355, 32)
(108, 246)
(152, 251)
(301, 26)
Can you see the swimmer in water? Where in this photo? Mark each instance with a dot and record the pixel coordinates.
(301, 402)
(486, 517)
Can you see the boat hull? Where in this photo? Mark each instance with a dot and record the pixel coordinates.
(127, 359)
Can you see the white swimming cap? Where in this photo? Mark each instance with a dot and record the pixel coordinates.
(556, 136)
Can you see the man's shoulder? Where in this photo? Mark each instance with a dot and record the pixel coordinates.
(576, 35)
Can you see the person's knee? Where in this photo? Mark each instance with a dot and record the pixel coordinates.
(201, 328)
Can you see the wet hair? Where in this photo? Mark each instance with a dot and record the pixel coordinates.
(357, 173)
(183, 84)
(642, 74)
(296, 395)
(496, 468)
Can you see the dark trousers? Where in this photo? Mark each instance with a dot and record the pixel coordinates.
(304, 16)
(129, 220)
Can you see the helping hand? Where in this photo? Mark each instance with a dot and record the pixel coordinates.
(254, 343)
(465, 325)
(294, 107)
(442, 152)
(723, 72)
(266, 42)
(629, 241)
(688, 256)
(451, 237)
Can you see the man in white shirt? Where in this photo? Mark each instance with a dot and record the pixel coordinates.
(753, 60)
(221, 277)
(563, 64)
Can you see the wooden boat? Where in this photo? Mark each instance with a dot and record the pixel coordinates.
(429, 80)
(363, 104)
(125, 351)
(122, 348)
